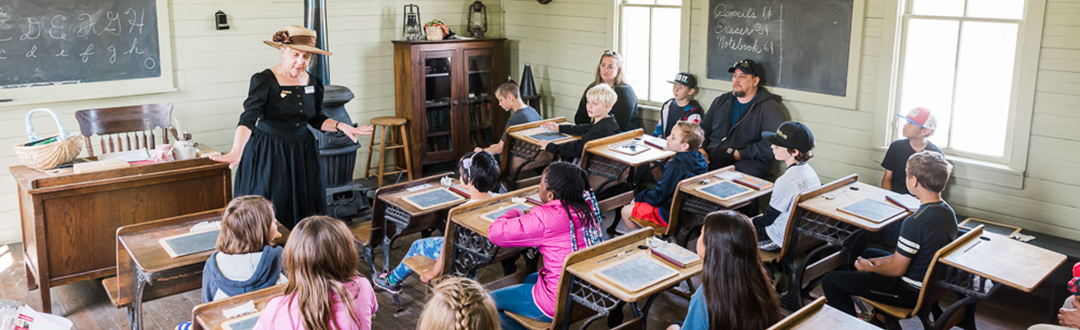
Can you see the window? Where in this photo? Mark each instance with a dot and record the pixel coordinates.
(649, 37)
(959, 59)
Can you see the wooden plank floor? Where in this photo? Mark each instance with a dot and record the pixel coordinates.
(87, 305)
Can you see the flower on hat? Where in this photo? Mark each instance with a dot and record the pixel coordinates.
(440, 24)
(282, 37)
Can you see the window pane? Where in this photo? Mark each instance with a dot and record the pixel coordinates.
(927, 73)
(635, 52)
(1013, 9)
(938, 7)
(640, 2)
(669, 2)
(665, 52)
(984, 87)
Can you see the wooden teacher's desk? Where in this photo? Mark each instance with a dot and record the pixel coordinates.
(521, 152)
(69, 221)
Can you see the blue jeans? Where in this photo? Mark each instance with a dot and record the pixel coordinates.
(518, 299)
(430, 247)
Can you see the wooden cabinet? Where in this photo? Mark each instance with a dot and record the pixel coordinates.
(446, 89)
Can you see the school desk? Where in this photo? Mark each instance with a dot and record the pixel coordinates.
(467, 245)
(596, 293)
(392, 217)
(690, 200)
(522, 153)
(818, 218)
(820, 316)
(600, 160)
(68, 220)
(145, 271)
(210, 316)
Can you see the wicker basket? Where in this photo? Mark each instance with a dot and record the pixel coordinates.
(47, 156)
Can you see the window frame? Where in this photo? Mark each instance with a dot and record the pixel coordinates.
(684, 8)
(1007, 170)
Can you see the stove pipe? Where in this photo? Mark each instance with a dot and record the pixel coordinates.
(315, 19)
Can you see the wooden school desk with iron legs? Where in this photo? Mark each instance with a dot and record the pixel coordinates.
(690, 201)
(211, 315)
(820, 316)
(521, 153)
(467, 247)
(146, 271)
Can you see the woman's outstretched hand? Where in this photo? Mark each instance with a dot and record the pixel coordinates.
(352, 132)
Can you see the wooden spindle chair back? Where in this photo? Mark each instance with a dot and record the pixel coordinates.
(124, 128)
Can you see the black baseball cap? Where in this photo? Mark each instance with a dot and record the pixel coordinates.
(685, 79)
(791, 135)
(747, 66)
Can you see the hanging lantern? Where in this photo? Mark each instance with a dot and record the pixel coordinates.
(477, 19)
(411, 29)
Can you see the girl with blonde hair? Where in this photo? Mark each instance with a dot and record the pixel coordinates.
(459, 303)
(325, 290)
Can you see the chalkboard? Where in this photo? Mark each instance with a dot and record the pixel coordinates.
(871, 210)
(802, 45)
(433, 198)
(192, 243)
(246, 322)
(724, 189)
(48, 42)
(492, 216)
(638, 273)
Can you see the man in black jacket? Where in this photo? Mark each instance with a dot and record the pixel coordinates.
(735, 120)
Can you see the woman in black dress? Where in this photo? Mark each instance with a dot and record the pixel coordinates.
(275, 151)
(625, 109)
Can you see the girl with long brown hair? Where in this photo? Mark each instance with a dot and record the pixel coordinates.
(735, 292)
(325, 290)
(459, 303)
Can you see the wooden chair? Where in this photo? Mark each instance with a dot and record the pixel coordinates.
(123, 123)
(580, 312)
(928, 298)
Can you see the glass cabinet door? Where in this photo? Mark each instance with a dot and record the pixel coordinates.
(439, 90)
(482, 103)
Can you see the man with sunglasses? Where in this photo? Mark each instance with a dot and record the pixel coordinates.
(735, 120)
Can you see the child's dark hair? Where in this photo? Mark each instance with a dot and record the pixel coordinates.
(569, 183)
(480, 170)
(930, 169)
(802, 157)
(738, 292)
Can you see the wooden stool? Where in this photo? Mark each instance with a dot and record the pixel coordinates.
(395, 141)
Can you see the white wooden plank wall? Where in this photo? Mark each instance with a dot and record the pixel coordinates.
(213, 69)
(562, 42)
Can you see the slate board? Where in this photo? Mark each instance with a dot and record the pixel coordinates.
(991, 227)
(47, 42)
(871, 210)
(494, 215)
(190, 243)
(637, 273)
(549, 136)
(433, 198)
(724, 189)
(246, 322)
(802, 45)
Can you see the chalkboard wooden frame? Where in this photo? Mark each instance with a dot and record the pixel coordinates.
(698, 64)
(22, 97)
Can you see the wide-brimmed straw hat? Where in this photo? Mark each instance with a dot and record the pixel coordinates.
(298, 38)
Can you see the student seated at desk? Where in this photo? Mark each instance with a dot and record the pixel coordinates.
(791, 144)
(480, 178)
(568, 221)
(654, 205)
(920, 125)
(325, 291)
(245, 260)
(735, 292)
(509, 96)
(895, 279)
(459, 303)
(683, 107)
(601, 97)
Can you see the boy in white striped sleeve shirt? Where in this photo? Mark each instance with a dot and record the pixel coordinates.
(896, 278)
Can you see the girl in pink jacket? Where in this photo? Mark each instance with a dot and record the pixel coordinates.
(325, 292)
(568, 221)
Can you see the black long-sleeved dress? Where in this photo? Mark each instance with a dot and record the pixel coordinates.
(281, 159)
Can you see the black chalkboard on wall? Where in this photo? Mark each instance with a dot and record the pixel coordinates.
(57, 42)
(802, 44)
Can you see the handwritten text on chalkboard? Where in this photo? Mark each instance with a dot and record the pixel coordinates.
(64, 42)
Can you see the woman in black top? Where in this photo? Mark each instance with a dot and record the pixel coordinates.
(625, 110)
(276, 153)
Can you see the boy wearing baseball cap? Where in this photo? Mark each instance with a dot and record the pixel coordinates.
(680, 108)
(919, 127)
(791, 144)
